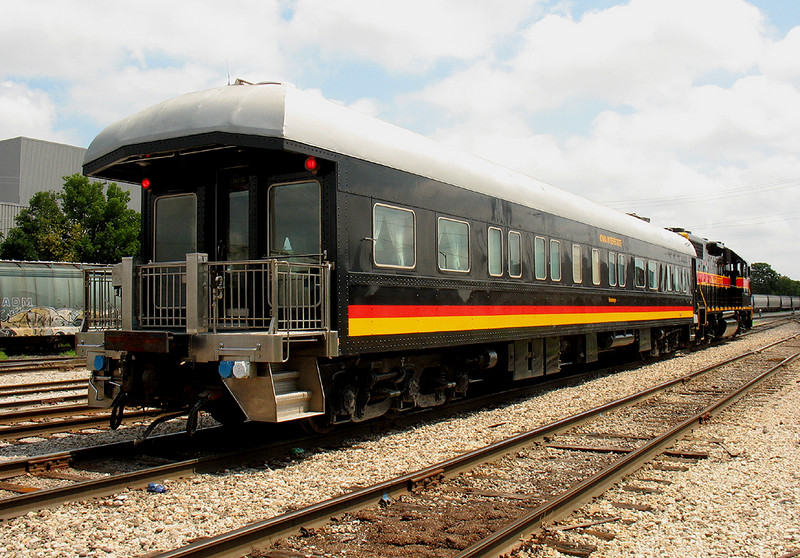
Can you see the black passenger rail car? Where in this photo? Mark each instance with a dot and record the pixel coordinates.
(302, 260)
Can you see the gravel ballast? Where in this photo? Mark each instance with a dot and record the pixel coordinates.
(137, 522)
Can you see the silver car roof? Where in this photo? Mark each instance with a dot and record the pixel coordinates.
(284, 111)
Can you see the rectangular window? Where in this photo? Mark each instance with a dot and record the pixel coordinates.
(596, 270)
(495, 251)
(514, 254)
(676, 278)
(639, 278)
(652, 274)
(555, 260)
(453, 245)
(612, 269)
(294, 219)
(393, 231)
(238, 225)
(172, 242)
(669, 278)
(540, 257)
(622, 269)
(577, 264)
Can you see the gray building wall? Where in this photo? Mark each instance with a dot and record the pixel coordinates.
(28, 166)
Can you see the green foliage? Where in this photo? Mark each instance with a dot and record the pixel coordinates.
(765, 280)
(81, 223)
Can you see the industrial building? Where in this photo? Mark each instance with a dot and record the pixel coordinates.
(30, 165)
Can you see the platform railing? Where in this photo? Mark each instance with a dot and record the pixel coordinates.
(197, 296)
(279, 296)
(102, 302)
(161, 295)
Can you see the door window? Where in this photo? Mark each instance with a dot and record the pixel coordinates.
(175, 227)
(294, 219)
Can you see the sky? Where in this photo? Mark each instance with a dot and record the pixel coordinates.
(683, 111)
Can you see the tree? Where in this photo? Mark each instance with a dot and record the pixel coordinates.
(81, 223)
(765, 280)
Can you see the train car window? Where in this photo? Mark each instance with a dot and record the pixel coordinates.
(394, 234)
(514, 254)
(639, 278)
(294, 219)
(612, 269)
(540, 257)
(495, 251)
(669, 278)
(171, 242)
(652, 274)
(238, 225)
(676, 278)
(453, 245)
(577, 264)
(596, 271)
(622, 269)
(555, 260)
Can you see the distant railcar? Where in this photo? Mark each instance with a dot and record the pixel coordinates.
(40, 302)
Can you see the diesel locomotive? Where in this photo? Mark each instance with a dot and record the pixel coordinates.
(302, 261)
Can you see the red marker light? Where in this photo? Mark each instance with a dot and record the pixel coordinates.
(146, 183)
(311, 164)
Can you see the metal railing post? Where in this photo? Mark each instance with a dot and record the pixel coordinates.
(196, 270)
(123, 276)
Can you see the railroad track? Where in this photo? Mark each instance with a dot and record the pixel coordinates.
(40, 388)
(509, 488)
(45, 421)
(16, 365)
(20, 476)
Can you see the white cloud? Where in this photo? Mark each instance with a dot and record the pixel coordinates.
(409, 36)
(27, 112)
(646, 99)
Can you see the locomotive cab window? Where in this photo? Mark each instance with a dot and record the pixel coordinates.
(495, 252)
(540, 257)
(639, 278)
(393, 231)
(453, 245)
(515, 254)
(172, 243)
(294, 219)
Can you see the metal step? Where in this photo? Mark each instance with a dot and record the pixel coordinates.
(290, 401)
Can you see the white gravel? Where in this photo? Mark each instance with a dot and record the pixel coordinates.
(136, 521)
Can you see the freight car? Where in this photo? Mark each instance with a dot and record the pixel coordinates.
(41, 304)
(304, 261)
(774, 303)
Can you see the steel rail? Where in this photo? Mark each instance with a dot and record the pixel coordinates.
(236, 542)
(63, 425)
(12, 366)
(44, 401)
(29, 388)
